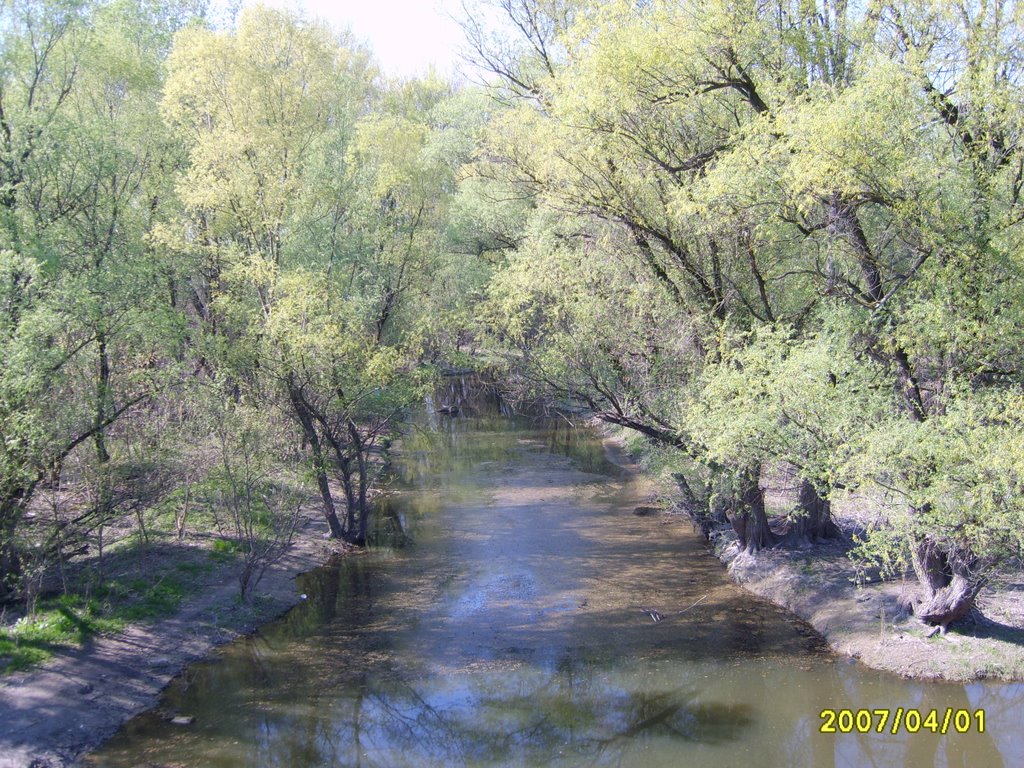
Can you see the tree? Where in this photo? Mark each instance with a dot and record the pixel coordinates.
(796, 179)
(83, 329)
(312, 223)
(622, 131)
(256, 108)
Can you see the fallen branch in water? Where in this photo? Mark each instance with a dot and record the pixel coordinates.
(657, 616)
(693, 606)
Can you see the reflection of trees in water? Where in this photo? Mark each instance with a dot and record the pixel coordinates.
(574, 712)
(488, 717)
(452, 446)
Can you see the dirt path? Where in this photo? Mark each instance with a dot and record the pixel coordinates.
(50, 716)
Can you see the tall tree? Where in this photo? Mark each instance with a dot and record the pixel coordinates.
(796, 178)
(82, 154)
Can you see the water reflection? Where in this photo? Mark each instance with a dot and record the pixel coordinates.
(509, 632)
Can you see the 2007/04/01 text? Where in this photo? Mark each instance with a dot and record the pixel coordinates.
(909, 720)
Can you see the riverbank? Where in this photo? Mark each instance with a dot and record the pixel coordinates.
(52, 715)
(867, 621)
(516, 627)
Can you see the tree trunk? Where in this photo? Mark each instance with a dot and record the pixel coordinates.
(950, 581)
(814, 521)
(930, 566)
(10, 560)
(102, 400)
(363, 511)
(749, 519)
(319, 462)
(845, 224)
(330, 513)
(951, 603)
(104, 482)
(350, 501)
(702, 510)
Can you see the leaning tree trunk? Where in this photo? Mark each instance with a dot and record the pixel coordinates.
(324, 486)
(311, 437)
(705, 509)
(951, 582)
(749, 519)
(814, 521)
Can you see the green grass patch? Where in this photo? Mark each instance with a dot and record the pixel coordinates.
(70, 620)
(153, 600)
(63, 622)
(195, 568)
(225, 550)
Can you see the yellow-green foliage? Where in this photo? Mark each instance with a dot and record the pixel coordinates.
(963, 472)
(787, 233)
(774, 395)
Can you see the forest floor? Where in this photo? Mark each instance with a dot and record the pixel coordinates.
(54, 713)
(867, 620)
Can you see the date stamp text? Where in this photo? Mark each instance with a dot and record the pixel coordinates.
(892, 721)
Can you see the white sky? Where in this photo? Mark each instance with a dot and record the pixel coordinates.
(407, 36)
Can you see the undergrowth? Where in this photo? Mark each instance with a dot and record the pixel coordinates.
(70, 620)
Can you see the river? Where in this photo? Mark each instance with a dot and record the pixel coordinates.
(500, 621)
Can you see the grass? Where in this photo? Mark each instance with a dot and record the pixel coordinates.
(226, 549)
(68, 621)
(62, 622)
(154, 600)
(156, 577)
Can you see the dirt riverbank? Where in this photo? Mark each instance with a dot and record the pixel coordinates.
(52, 715)
(866, 621)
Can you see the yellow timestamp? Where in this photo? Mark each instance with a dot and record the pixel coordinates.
(908, 720)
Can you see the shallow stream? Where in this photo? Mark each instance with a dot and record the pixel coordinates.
(501, 622)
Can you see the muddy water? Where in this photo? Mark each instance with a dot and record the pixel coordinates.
(504, 625)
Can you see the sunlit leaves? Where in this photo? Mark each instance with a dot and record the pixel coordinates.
(831, 195)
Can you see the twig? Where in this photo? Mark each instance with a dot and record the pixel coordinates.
(694, 605)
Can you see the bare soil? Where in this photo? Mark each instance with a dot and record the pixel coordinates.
(867, 622)
(52, 715)
(867, 619)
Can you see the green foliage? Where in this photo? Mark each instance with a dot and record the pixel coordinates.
(226, 549)
(781, 236)
(773, 394)
(962, 471)
(787, 235)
